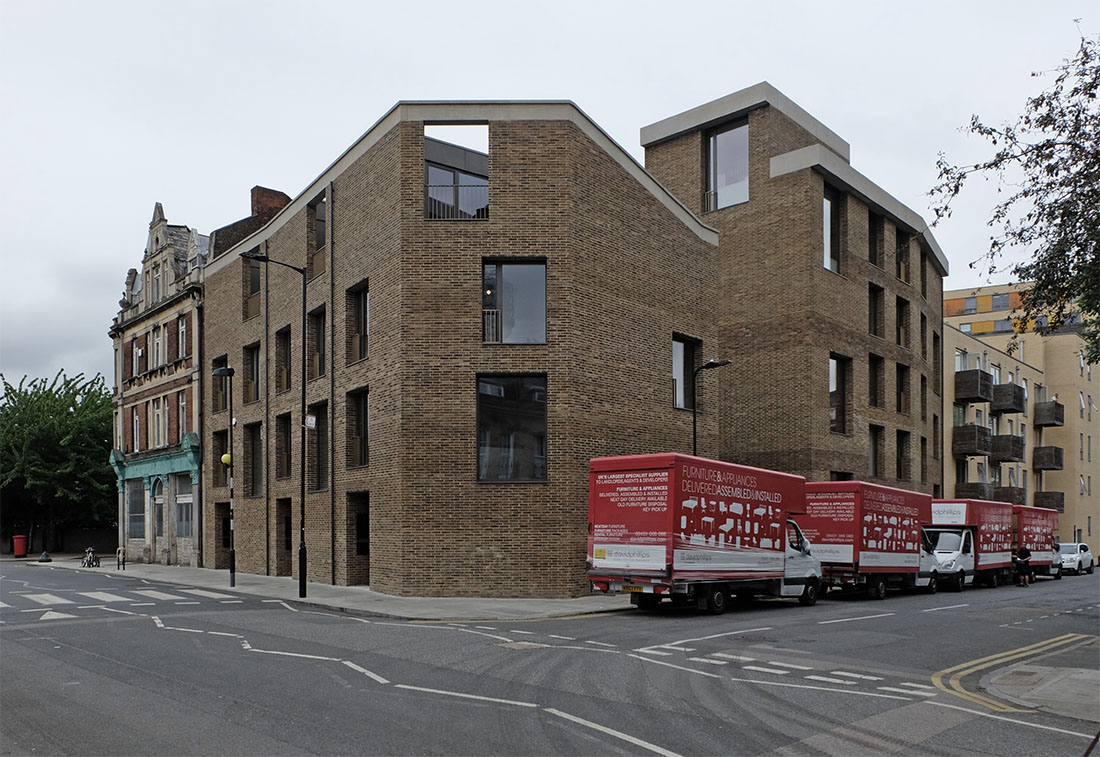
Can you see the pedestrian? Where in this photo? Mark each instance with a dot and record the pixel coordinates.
(1023, 565)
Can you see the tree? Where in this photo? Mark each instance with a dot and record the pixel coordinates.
(1050, 156)
(55, 440)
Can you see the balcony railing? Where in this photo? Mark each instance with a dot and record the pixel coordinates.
(971, 440)
(1048, 458)
(1017, 495)
(490, 326)
(1051, 500)
(1007, 448)
(1008, 398)
(973, 386)
(456, 202)
(967, 490)
(1050, 414)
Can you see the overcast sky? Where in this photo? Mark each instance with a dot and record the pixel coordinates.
(111, 106)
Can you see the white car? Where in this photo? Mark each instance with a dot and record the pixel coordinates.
(1076, 557)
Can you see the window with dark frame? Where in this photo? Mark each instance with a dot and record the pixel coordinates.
(283, 433)
(218, 469)
(903, 455)
(727, 164)
(902, 387)
(251, 359)
(876, 439)
(902, 313)
(511, 428)
(876, 306)
(317, 217)
(254, 460)
(875, 234)
(902, 255)
(219, 385)
(358, 428)
(839, 380)
(513, 302)
(876, 380)
(683, 367)
(317, 335)
(832, 207)
(358, 322)
(252, 288)
(318, 479)
(283, 380)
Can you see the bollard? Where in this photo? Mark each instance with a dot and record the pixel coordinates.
(120, 558)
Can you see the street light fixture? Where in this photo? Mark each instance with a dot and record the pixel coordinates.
(694, 378)
(227, 459)
(261, 258)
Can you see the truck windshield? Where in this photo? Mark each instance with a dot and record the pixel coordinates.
(947, 541)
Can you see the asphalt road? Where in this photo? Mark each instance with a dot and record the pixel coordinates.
(96, 664)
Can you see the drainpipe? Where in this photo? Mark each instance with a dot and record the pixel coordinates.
(332, 377)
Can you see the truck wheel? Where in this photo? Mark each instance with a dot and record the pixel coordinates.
(932, 584)
(648, 602)
(717, 600)
(959, 583)
(876, 588)
(808, 598)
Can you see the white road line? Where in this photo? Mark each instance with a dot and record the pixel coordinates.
(678, 667)
(103, 596)
(187, 603)
(153, 594)
(677, 644)
(184, 630)
(524, 633)
(948, 607)
(656, 652)
(465, 696)
(854, 675)
(789, 665)
(292, 609)
(223, 633)
(759, 669)
(612, 732)
(144, 604)
(486, 628)
(918, 685)
(826, 679)
(4, 604)
(601, 644)
(863, 617)
(158, 622)
(272, 601)
(733, 657)
(678, 649)
(210, 594)
(1011, 720)
(296, 654)
(897, 690)
(49, 599)
(366, 672)
(120, 612)
(232, 601)
(708, 661)
(564, 638)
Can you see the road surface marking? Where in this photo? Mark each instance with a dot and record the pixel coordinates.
(121, 612)
(564, 638)
(862, 617)
(184, 630)
(656, 652)
(152, 594)
(49, 599)
(907, 691)
(759, 669)
(465, 696)
(678, 649)
(4, 604)
(144, 604)
(854, 675)
(292, 609)
(612, 732)
(789, 665)
(159, 623)
(525, 633)
(826, 679)
(208, 594)
(1010, 720)
(232, 602)
(223, 633)
(917, 685)
(365, 672)
(51, 615)
(486, 628)
(601, 644)
(187, 603)
(678, 667)
(675, 644)
(709, 661)
(733, 657)
(949, 607)
(103, 596)
(294, 654)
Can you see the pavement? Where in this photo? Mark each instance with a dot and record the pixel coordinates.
(356, 600)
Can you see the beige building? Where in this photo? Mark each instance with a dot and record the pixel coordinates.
(1059, 420)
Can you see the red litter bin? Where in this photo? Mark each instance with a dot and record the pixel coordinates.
(19, 545)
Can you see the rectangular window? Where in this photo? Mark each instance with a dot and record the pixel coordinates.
(319, 445)
(511, 428)
(902, 255)
(219, 470)
(252, 288)
(937, 373)
(727, 167)
(283, 431)
(683, 365)
(183, 422)
(902, 322)
(451, 193)
(135, 357)
(283, 380)
(876, 441)
(923, 398)
(924, 336)
(875, 233)
(832, 205)
(936, 437)
(184, 503)
(875, 310)
(923, 274)
(158, 348)
(317, 343)
(158, 429)
(254, 459)
(251, 359)
(1000, 302)
(135, 428)
(513, 302)
(876, 380)
(962, 361)
(135, 508)
(1023, 383)
(184, 347)
(219, 385)
(156, 283)
(970, 305)
(362, 529)
(839, 372)
(923, 460)
(958, 415)
(904, 473)
(358, 427)
(317, 217)
(358, 322)
(902, 387)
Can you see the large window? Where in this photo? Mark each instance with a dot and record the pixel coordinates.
(184, 504)
(317, 217)
(839, 372)
(903, 269)
(902, 331)
(282, 445)
(358, 427)
(830, 230)
(875, 308)
(254, 460)
(318, 478)
(251, 358)
(282, 360)
(511, 428)
(902, 389)
(875, 233)
(252, 288)
(317, 343)
(513, 301)
(358, 322)
(876, 380)
(455, 195)
(903, 453)
(875, 443)
(683, 362)
(727, 167)
(135, 508)
(219, 385)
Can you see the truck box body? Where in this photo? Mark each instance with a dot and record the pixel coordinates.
(865, 528)
(1034, 528)
(991, 522)
(675, 517)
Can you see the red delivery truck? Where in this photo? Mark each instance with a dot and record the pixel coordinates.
(867, 536)
(971, 541)
(696, 530)
(1034, 528)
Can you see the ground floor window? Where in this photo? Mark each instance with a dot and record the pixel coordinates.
(184, 502)
(511, 428)
(135, 508)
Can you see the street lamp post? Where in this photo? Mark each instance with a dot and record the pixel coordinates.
(261, 258)
(227, 459)
(694, 378)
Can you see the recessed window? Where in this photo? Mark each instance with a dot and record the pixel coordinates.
(513, 303)
(511, 428)
(317, 364)
(875, 233)
(839, 371)
(317, 218)
(727, 167)
(282, 360)
(218, 448)
(683, 366)
(902, 255)
(902, 313)
(318, 447)
(252, 287)
(251, 359)
(903, 454)
(902, 387)
(875, 310)
(876, 380)
(456, 172)
(875, 442)
(254, 460)
(358, 406)
(358, 323)
(283, 432)
(831, 236)
(219, 385)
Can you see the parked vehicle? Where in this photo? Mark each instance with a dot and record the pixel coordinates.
(971, 541)
(696, 530)
(868, 536)
(1077, 557)
(1034, 528)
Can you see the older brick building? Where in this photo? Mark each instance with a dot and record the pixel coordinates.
(830, 294)
(478, 327)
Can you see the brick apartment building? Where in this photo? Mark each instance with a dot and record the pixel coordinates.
(478, 327)
(830, 294)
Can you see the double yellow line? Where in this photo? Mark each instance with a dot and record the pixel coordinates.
(958, 672)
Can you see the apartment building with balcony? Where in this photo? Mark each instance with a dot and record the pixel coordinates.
(157, 397)
(478, 325)
(1059, 413)
(829, 294)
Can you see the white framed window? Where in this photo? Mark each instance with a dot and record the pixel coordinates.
(182, 413)
(158, 431)
(183, 351)
(136, 428)
(158, 353)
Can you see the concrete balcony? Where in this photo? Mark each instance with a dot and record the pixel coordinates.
(973, 386)
(1017, 495)
(1008, 398)
(1007, 448)
(1050, 414)
(970, 440)
(973, 491)
(1051, 500)
(1048, 458)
